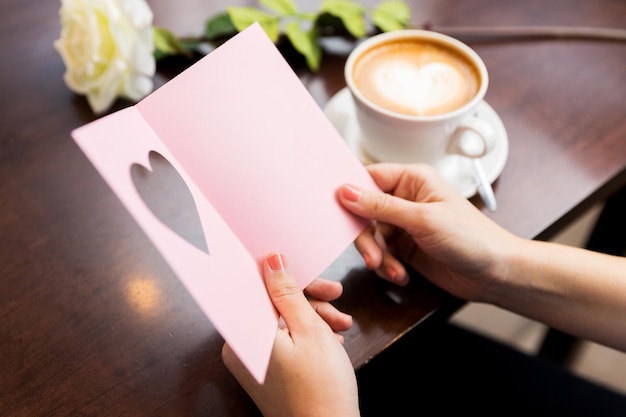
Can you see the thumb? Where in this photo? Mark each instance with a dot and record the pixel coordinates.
(287, 297)
(376, 205)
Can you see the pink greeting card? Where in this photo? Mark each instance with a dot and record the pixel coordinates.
(262, 164)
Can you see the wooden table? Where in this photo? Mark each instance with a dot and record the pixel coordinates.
(92, 320)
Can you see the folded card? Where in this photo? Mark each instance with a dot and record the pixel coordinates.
(262, 164)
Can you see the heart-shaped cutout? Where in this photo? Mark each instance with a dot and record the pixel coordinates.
(167, 195)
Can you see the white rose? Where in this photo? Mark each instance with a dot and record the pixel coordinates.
(107, 47)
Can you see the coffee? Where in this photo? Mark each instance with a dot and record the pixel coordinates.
(415, 93)
(416, 77)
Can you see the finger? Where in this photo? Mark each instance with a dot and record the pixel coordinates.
(286, 296)
(324, 289)
(379, 206)
(389, 176)
(392, 270)
(373, 247)
(336, 319)
(229, 356)
(236, 367)
(381, 260)
(391, 266)
(367, 246)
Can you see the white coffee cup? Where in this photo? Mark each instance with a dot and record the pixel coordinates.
(416, 93)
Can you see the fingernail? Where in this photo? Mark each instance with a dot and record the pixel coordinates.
(277, 262)
(366, 259)
(351, 193)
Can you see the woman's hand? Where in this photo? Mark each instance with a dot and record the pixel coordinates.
(423, 221)
(309, 371)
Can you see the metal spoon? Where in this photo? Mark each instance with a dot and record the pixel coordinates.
(483, 186)
(471, 146)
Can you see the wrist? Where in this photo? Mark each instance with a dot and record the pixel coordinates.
(529, 278)
(504, 275)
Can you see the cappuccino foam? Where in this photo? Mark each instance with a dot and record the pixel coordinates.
(417, 78)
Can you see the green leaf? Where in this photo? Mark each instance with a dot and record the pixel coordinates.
(305, 43)
(166, 43)
(391, 15)
(242, 17)
(219, 26)
(329, 24)
(352, 15)
(284, 7)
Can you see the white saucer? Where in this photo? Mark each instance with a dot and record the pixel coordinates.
(455, 168)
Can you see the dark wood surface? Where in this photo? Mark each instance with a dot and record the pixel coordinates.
(92, 320)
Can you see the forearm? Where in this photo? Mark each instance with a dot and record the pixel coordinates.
(575, 290)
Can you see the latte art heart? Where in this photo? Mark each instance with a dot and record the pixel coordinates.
(416, 78)
(426, 89)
